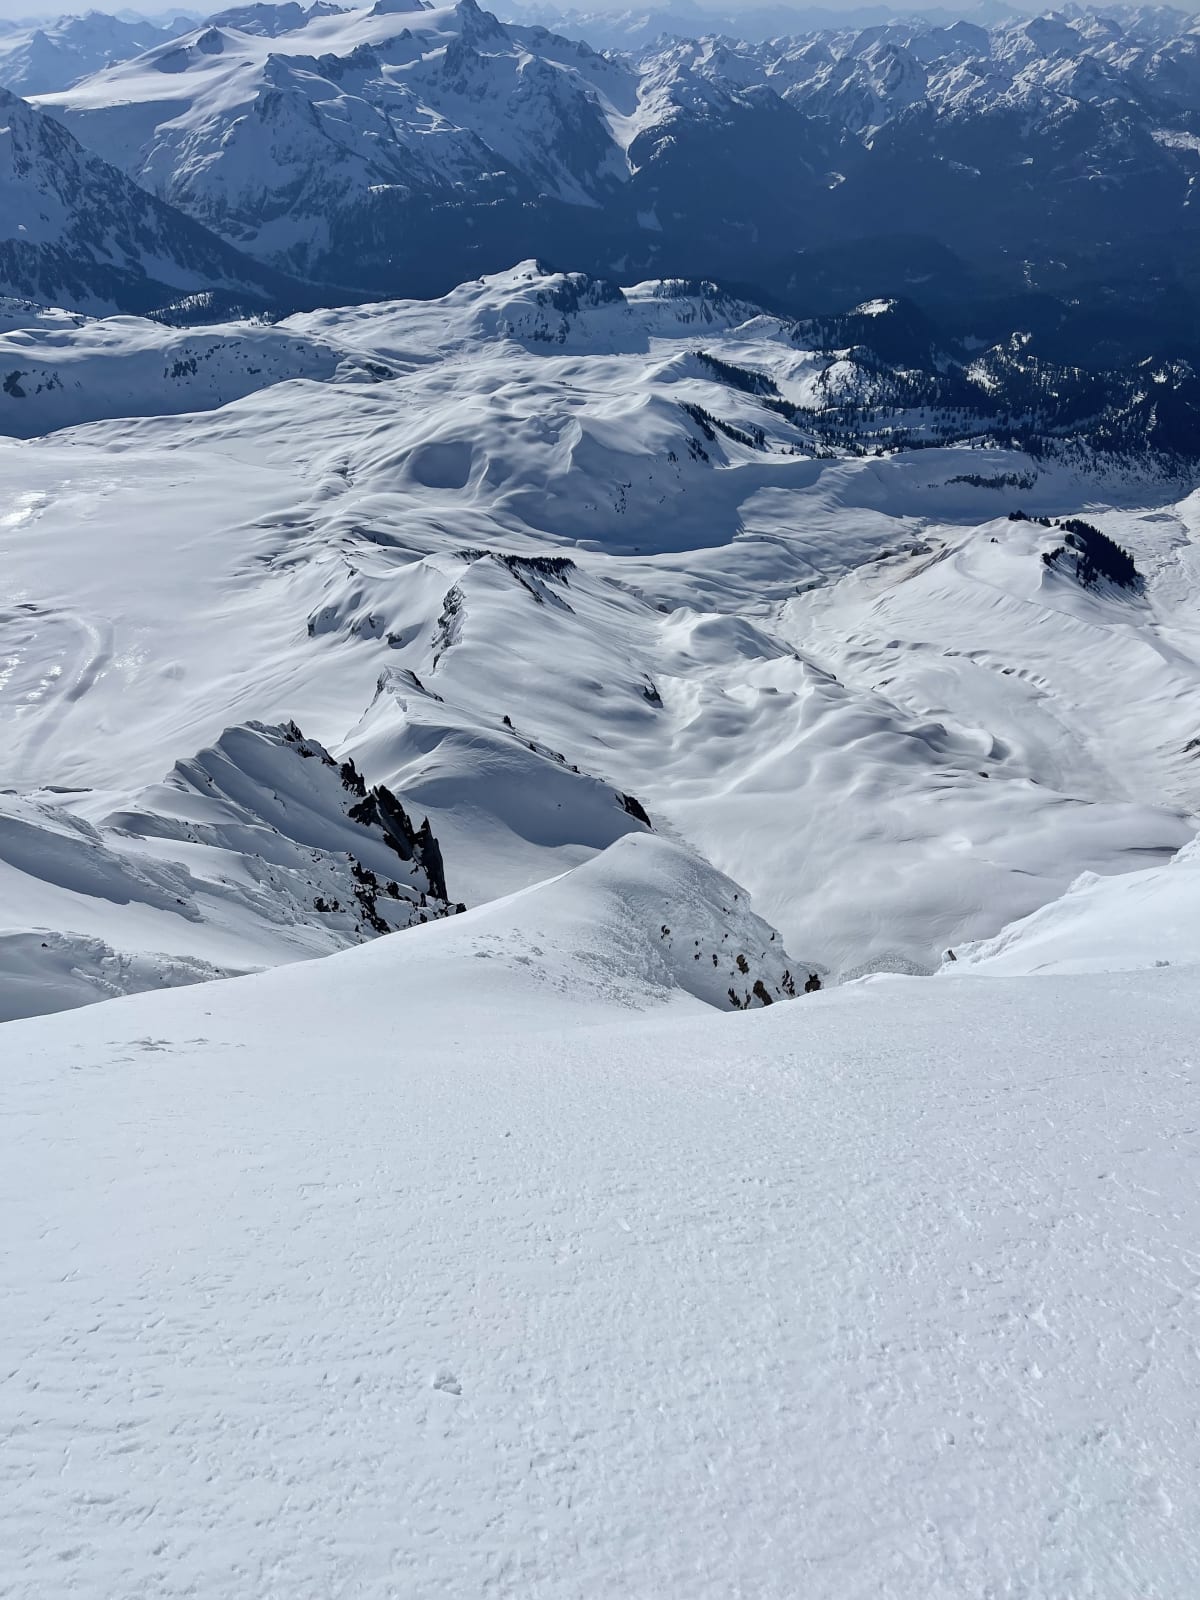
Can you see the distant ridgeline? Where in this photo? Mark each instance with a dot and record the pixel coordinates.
(1031, 177)
(894, 382)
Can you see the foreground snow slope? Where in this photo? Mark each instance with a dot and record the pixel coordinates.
(485, 1258)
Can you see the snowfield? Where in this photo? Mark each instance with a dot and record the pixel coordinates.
(539, 558)
(650, 1043)
(488, 1259)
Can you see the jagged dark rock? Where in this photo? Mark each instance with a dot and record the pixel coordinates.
(634, 808)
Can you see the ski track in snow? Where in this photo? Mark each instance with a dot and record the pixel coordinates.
(50, 659)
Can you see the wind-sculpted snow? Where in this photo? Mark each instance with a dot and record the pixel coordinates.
(508, 809)
(261, 848)
(558, 564)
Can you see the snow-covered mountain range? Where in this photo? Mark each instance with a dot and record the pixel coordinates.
(400, 149)
(37, 59)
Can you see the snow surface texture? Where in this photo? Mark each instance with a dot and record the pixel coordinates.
(488, 1259)
(553, 579)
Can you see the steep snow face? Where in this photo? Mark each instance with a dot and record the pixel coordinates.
(261, 848)
(488, 1256)
(76, 232)
(559, 564)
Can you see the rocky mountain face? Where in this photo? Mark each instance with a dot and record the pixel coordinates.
(401, 149)
(77, 232)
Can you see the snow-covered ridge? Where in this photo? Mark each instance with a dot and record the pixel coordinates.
(870, 381)
(60, 369)
(260, 849)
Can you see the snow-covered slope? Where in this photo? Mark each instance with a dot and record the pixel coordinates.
(487, 1258)
(564, 569)
(1139, 919)
(40, 59)
(76, 232)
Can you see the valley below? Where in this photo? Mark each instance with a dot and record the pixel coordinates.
(552, 577)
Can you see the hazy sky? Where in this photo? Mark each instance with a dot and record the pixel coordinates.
(23, 10)
(20, 10)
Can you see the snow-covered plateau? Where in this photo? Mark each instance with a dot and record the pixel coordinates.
(650, 1041)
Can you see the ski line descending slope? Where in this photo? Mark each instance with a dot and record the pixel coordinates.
(465, 1263)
